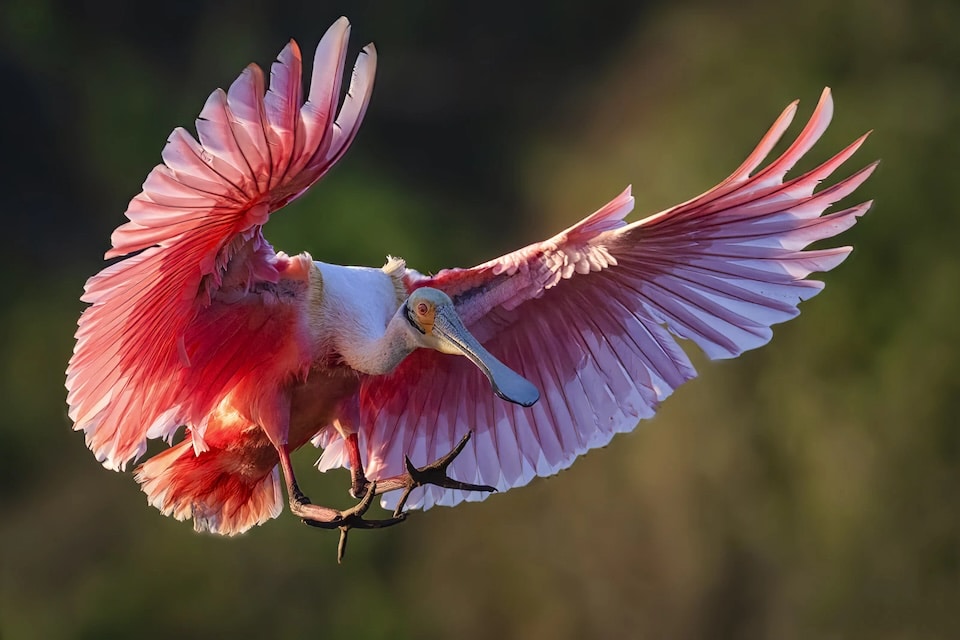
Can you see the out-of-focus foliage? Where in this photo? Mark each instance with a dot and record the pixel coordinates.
(806, 490)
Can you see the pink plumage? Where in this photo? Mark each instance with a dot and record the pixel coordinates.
(591, 317)
(153, 352)
(256, 352)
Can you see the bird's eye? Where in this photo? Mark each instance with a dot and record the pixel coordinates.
(422, 308)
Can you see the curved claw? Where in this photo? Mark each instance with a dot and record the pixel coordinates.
(436, 474)
(352, 518)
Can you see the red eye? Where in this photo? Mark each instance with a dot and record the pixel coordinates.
(422, 309)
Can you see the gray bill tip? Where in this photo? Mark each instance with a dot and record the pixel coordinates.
(515, 388)
(527, 398)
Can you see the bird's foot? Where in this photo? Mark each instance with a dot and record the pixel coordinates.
(359, 485)
(352, 518)
(435, 474)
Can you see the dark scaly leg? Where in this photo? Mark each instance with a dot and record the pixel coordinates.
(358, 480)
(434, 473)
(326, 517)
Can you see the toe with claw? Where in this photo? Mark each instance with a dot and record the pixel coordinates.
(352, 518)
(436, 474)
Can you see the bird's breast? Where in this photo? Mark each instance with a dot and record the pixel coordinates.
(314, 402)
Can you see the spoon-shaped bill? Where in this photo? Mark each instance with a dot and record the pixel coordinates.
(506, 382)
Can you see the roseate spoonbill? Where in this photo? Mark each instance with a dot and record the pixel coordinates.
(256, 352)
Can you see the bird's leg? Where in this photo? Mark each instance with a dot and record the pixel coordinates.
(358, 480)
(434, 473)
(326, 517)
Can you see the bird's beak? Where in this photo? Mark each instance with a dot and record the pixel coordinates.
(506, 383)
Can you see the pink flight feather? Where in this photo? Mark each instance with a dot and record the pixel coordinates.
(591, 317)
(153, 351)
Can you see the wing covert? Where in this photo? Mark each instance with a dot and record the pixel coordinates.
(592, 316)
(153, 352)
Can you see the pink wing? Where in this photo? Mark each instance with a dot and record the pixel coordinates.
(162, 342)
(590, 317)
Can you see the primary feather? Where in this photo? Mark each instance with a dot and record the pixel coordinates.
(591, 317)
(156, 349)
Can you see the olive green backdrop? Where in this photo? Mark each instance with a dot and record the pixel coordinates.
(805, 490)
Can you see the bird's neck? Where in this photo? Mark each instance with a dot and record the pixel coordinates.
(381, 355)
(357, 313)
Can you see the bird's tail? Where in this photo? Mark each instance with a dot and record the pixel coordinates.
(221, 496)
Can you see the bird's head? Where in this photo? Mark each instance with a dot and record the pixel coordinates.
(436, 325)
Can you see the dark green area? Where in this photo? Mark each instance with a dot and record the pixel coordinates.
(806, 490)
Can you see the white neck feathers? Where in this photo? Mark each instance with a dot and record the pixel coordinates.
(354, 313)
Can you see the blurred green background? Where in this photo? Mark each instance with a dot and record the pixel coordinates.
(805, 490)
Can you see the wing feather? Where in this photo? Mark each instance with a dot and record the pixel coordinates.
(168, 331)
(592, 316)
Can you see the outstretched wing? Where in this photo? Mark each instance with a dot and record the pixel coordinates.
(591, 317)
(154, 351)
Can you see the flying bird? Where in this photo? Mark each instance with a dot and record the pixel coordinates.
(541, 354)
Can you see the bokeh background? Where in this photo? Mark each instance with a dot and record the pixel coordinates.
(805, 490)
